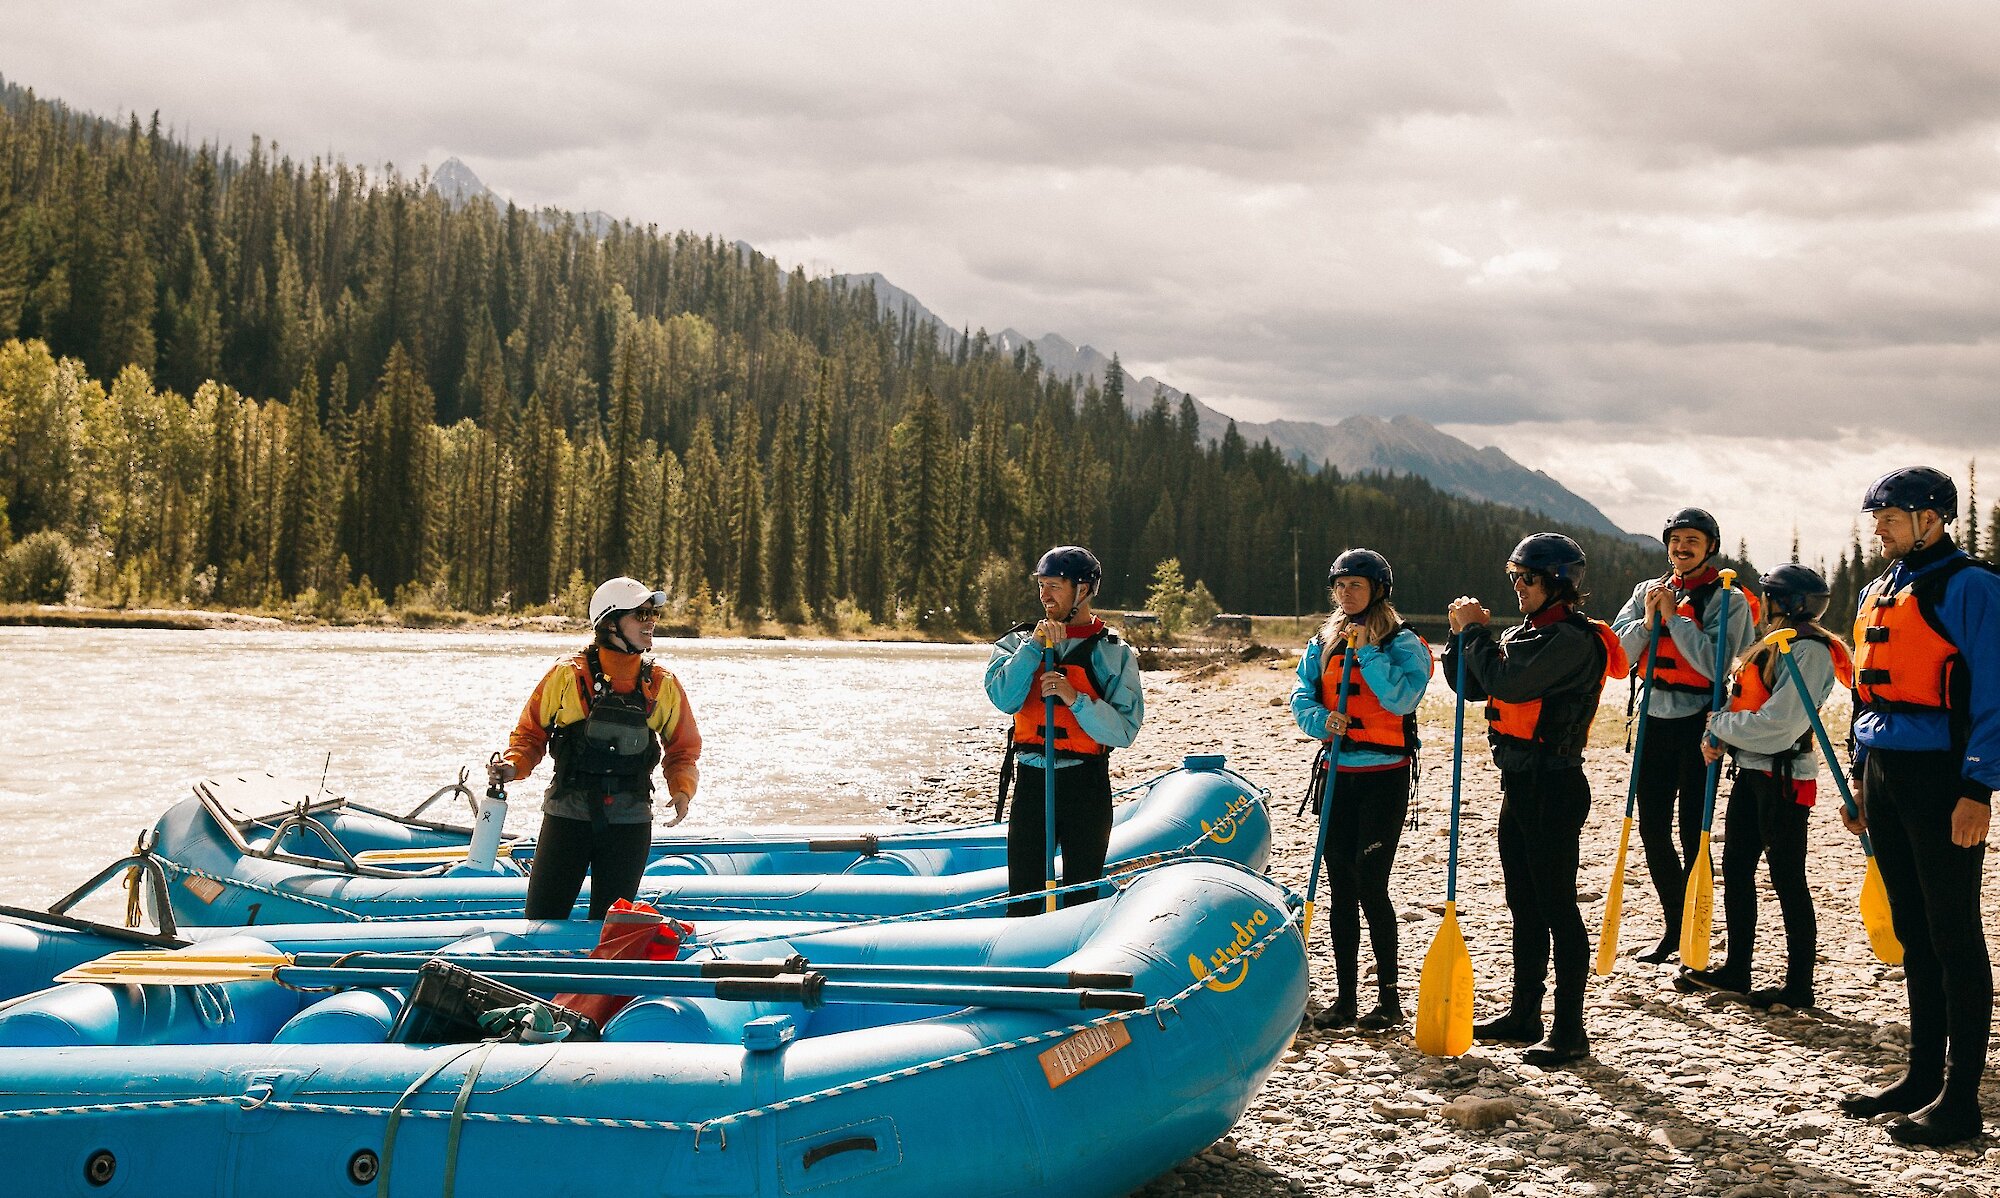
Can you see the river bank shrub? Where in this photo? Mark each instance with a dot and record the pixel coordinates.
(41, 568)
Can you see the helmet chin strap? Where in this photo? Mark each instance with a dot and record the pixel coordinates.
(610, 637)
(1078, 602)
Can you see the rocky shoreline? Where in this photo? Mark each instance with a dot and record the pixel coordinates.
(1694, 1095)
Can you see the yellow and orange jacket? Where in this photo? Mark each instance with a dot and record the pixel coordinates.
(562, 697)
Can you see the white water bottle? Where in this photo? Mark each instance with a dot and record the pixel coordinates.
(489, 814)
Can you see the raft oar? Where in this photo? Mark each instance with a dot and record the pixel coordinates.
(1332, 776)
(1444, 989)
(987, 975)
(1874, 896)
(1048, 780)
(811, 989)
(866, 844)
(1614, 895)
(1698, 909)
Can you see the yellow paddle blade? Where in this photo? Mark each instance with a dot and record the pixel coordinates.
(1875, 918)
(168, 968)
(1614, 906)
(1698, 912)
(1306, 925)
(436, 855)
(1444, 992)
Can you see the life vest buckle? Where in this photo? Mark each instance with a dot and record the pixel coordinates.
(1876, 634)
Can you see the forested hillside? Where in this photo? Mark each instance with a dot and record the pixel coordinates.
(250, 379)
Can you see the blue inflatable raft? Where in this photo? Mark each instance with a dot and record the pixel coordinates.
(246, 852)
(268, 1087)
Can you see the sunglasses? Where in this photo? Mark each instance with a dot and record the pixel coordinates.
(646, 615)
(1524, 578)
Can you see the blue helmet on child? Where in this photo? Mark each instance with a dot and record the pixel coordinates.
(1796, 592)
(1549, 553)
(1913, 488)
(1074, 562)
(1363, 563)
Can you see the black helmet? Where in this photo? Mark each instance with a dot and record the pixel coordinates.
(1913, 488)
(1549, 553)
(1697, 519)
(1796, 592)
(1364, 563)
(1073, 562)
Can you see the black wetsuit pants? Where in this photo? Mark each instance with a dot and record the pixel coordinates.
(614, 855)
(1765, 820)
(1934, 901)
(1083, 830)
(1673, 788)
(1542, 812)
(1363, 830)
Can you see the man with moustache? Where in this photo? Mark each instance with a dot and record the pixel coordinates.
(1672, 775)
(1926, 743)
(1098, 708)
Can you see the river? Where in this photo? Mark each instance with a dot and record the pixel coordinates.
(112, 726)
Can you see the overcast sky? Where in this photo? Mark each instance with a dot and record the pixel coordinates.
(1574, 230)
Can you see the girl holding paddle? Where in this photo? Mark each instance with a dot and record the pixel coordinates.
(1768, 730)
(1369, 743)
(1541, 680)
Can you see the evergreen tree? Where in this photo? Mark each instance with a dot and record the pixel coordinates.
(746, 516)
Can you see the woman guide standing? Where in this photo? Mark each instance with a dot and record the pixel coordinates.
(1371, 747)
(608, 715)
(1770, 734)
(1541, 679)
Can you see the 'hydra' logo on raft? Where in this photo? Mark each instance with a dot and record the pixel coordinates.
(1229, 954)
(1224, 830)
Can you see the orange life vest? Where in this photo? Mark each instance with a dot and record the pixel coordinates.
(1559, 724)
(1369, 724)
(1071, 740)
(1903, 660)
(1671, 672)
(1749, 692)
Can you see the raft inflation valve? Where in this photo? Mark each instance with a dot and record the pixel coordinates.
(100, 1168)
(363, 1166)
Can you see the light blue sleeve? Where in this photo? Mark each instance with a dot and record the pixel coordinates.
(1010, 672)
(1398, 673)
(1112, 721)
(1630, 622)
(1307, 711)
(1778, 725)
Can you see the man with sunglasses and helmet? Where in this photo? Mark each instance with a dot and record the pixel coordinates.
(1541, 680)
(608, 715)
(1926, 743)
(1673, 778)
(1099, 707)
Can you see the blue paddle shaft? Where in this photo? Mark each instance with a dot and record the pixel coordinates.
(1049, 773)
(1457, 777)
(1645, 704)
(1715, 691)
(1332, 769)
(1826, 747)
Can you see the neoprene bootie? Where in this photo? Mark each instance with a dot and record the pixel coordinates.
(1791, 994)
(1723, 977)
(1340, 1014)
(1388, 1013)
(1568, 1041)
(1669, 945)
(1522, 1024)
(1907, 1093)
(1950, 1120)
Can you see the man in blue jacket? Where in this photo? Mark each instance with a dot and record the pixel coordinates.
(1927, 758)
(1095, 683)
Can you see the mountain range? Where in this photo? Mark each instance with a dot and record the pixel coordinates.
(1356, 445)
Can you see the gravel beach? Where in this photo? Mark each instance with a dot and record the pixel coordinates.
(1692, 1095)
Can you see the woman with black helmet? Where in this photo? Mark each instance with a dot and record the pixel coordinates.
(1768, 730)
(609, 715)
(1098, 708)
(1541, 680)
(1372, 747)
(1673, 779)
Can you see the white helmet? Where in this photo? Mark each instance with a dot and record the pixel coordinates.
(622, 594)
